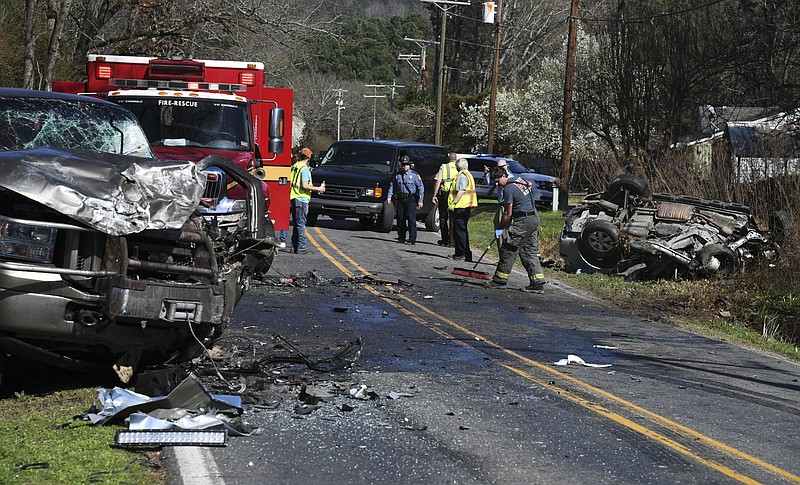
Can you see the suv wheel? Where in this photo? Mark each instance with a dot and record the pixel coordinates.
(626, 185)
(599, 243)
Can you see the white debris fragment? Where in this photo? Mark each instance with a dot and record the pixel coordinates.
(359, 392)
(574, 359)
(609, 347)
(428, 297)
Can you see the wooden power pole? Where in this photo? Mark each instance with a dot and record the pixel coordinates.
(569, 81)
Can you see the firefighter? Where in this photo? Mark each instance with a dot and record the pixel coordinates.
(444, 177)
(300, 196)
(461, 199)
(407, 189)
(521, 221)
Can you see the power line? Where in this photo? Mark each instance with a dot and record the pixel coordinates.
(655, 16)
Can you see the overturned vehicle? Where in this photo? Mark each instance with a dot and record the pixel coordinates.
(107, 255)
(625, 231)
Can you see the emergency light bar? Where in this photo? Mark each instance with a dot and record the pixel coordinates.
(180, 437)
(194, 86)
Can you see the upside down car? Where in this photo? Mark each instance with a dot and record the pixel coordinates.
(108, 256)
(625, 231)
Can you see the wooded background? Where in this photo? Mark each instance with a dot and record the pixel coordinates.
(644, 68)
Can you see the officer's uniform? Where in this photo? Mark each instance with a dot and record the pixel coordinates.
(446, 175)
(523, 235)
(406, 190)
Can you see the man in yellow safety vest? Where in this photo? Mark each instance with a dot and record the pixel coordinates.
(300, 196)
(461, 199)
(444, 177)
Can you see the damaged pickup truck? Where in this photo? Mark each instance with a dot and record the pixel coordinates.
(625, 231)
(107, 255)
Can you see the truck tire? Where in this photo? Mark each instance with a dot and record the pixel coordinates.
(626, 184)
(269, 230)
(311, 219)
(386, 219)
(432, 219)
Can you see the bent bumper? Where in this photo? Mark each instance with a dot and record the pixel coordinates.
(345, 208)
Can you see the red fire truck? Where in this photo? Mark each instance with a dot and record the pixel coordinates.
(190, 109)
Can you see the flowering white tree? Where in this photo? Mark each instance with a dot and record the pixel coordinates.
(529, 119)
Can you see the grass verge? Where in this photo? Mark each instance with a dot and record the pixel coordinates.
(40, 442)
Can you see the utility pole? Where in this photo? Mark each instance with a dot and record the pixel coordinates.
(444, 6)
(374, 97)
(569, 81)
(339, 108)
(422, 57)
(495, 69)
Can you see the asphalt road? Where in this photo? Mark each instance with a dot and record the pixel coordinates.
(465, 389)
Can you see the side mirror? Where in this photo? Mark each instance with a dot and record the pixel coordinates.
(276, 130)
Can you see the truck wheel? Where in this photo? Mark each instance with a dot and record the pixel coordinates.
(432, 219)
(311, 219)
(386, 220)
(266, 263)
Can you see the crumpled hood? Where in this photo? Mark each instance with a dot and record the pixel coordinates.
(114, 194)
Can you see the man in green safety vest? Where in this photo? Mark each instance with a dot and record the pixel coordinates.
(444, 177)
(300, 196)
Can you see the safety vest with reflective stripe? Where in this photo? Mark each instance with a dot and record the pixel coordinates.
(297, 189)
(448, 175)
(468, 199)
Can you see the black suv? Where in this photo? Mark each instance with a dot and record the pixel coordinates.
(357, 174)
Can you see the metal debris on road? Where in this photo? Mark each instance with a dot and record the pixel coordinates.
(574, 359)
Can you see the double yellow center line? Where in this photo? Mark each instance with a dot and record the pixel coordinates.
(686, 433)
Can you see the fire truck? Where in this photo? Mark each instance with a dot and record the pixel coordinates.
(191, 109)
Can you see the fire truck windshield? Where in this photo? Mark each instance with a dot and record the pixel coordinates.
(203, 123)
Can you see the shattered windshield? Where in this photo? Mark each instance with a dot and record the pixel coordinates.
(32, 122)
(361, 155)
(204, 123)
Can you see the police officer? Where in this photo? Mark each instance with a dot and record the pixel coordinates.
(407, 189)
(444, 177)
(522, 223)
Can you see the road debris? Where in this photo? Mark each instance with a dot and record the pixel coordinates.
(574, 359)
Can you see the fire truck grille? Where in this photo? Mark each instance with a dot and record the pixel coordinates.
(341, 192)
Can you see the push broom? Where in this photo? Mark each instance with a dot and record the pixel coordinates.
(472, 273)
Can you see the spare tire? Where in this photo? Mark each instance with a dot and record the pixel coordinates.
(625, 185)
(599, 243)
